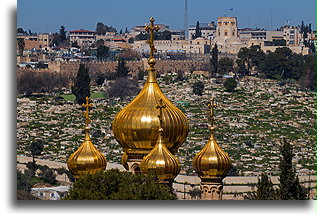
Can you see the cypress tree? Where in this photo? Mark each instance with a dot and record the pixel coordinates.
(289, 187)
(265, 190)
(214, 61)
(81, 88)
(197, 31)
(122, 70)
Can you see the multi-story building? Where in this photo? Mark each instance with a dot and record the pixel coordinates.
(45, 40)
(37, 41)
(227, 38)
(292, 35)
(193, 46)
(84, 38)
(208, 30)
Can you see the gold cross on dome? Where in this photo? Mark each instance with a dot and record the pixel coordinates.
(87, 105)
(212, 105)
(151, 28)
(161, 106)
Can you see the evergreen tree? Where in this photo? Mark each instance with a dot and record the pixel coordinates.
(21, 45)
(101, 28)
(102, 52)
(197, 31)
(225, 66)
(115, 185)
(62, 34)
(36, 148)
(81, 88)
(230, 84)
(198, 88)
(265, 190)
(122, 70)
(289, 187)
(214, 61)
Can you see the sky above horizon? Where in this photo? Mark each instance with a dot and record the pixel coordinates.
(48, 16)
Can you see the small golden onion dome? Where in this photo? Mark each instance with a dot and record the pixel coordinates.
(161, 162)
(86, 159)
(136, 126)
(212, 161)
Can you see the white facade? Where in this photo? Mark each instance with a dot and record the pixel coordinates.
(84, 38)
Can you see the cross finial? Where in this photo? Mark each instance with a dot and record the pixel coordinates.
(151, 28)
(87, 105)
(161, 106)
(212, 105)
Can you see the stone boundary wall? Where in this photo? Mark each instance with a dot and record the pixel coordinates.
(162, 66)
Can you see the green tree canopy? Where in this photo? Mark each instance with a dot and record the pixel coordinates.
(249, 58)
(289, 187)
(21, 46)
(102, 52)
(115, 185)
(122, 70)
(101, 28)
(214, 61)
(265, 190)
(62, 34)
(198, 88)
(81, 88)
(36, 148)
(230, 84)
(283, 64)
(225, 65)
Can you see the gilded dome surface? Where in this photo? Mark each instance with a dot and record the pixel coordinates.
(136, 126)
(161, 162)
(86, 159)
(212, 161)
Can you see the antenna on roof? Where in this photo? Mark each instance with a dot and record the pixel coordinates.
(186, 20)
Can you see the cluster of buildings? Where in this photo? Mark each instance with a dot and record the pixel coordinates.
(225, 33)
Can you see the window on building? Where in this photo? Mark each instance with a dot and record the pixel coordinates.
(226, 33)
(232, 23)
(233, 33)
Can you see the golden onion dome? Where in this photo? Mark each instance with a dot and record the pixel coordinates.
(136, 126)
(212, 161)
(86, 159)
(161, 162)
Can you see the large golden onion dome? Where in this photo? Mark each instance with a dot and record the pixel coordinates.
(136, 126)
(160, 161)
(212, 161)
(86, 159)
